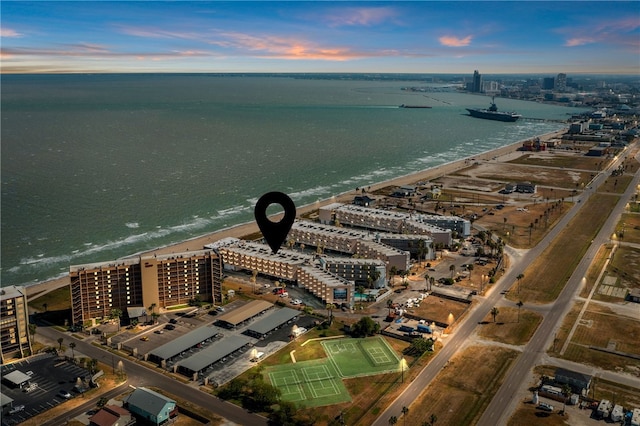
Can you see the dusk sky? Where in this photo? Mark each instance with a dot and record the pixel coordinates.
(321, 36)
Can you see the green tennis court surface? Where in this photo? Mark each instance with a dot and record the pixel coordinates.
(319, 382)
(362, 357)
(309, 383)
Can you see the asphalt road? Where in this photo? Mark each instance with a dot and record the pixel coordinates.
(497, 410)
(503, 403)
(142, 376)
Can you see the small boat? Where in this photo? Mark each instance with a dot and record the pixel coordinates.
(414, 106)
(492, 113)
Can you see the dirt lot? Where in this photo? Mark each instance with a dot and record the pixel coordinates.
(511, 327)
(438, 309)
(519, 170)
(459, 399)
(595, 329)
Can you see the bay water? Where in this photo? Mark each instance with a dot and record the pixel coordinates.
(98, 167)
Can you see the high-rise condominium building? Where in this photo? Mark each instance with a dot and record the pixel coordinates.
(15, 341)
(146, 281)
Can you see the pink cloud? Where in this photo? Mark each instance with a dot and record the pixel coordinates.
(452, 41)
(7, 32)
(620, 32)
(281, 47)
(579, 41)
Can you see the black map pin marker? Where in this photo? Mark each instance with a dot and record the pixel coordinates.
(275, 232)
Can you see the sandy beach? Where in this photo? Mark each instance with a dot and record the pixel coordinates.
(500, 154)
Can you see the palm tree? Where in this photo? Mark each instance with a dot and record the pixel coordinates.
(44, 305)
(330, 308)
(60, 340)
(92, 364)
(360, 290)
(452, 268)
(389, 305)
(433, 419)
(432, 281)
(494, 313)
(470, 269)
(405, 410)
(392, 273)
(519, 304)
(116, 314)
(519, 277)
(72, 345)
(254, 279)
(566, 392)
(393, 420)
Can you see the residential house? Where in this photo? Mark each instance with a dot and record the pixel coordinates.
(579, 382)
(112, 415)
(150, 407)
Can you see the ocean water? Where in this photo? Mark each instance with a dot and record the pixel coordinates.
(97, 167)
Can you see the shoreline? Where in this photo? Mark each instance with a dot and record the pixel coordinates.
(240, 230)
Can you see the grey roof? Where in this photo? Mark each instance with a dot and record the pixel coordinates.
(17, 377)
(12, 292)
(245, 312)
(184, 342)
(5, 399)
(148, 400)
(574, 375)
(273, 320)
(136, 311)
(214, 353)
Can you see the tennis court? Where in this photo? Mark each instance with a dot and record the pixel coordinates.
(361, 357)
(309, 383)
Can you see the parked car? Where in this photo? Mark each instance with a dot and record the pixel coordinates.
(144, 338)
(173, 321)
(64, 394)
(170, 327)
(219, 309)
(159, 331)
(31, 387)
(546, 407)
(16, 409)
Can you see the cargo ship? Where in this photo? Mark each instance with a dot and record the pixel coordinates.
(492, 113)
(414, 106)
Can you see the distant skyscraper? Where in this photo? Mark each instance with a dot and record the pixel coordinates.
(561, 82)
(548, 83)
(477, 82)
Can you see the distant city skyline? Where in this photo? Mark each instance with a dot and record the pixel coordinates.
(442, 37)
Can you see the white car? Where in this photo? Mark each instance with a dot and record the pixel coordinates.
(64, 394)
(16, 409)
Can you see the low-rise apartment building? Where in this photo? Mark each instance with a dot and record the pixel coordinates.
(439, 228)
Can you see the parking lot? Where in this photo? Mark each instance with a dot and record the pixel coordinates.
(50, 375)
